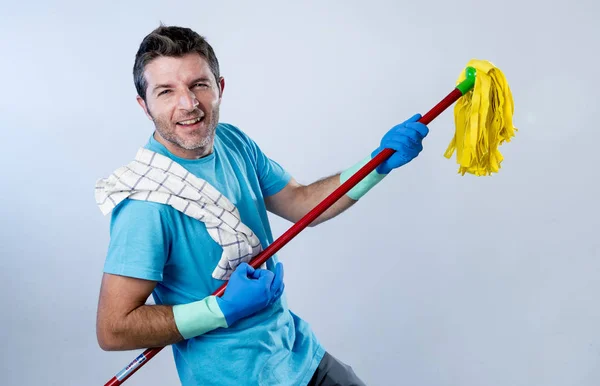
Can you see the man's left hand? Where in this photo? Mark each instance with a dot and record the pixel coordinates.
(406, 139)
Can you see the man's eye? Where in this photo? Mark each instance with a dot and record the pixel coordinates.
(203, 85)
(163, 92)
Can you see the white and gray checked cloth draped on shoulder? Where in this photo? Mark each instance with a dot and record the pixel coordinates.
(154, 177)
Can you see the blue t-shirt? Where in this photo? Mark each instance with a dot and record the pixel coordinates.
(156, 242)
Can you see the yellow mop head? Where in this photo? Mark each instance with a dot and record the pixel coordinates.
(483, 121)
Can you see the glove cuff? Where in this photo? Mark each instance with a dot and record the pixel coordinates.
(199, 317)
(365, 184)
(231, 313)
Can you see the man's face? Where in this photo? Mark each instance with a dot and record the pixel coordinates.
(183, 100)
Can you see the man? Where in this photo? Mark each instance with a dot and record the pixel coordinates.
(161, 247)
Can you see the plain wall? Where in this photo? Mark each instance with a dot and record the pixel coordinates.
(432, 279)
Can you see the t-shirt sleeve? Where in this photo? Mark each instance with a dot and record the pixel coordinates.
(271, 175)
(139, 240)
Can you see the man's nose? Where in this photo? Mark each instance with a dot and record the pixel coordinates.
(188, 101)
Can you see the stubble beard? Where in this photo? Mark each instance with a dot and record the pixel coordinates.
(199, 140)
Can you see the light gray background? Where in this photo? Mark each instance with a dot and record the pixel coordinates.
(432, 279)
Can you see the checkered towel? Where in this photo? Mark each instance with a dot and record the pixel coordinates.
(153, 177)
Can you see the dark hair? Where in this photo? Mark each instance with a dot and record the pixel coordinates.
(170, 41)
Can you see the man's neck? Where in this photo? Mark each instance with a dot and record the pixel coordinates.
(180, 152)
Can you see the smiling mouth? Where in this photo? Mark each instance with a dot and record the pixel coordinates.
(190, 122)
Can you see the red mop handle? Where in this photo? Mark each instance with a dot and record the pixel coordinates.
(452, 97)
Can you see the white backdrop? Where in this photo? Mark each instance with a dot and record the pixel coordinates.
(433, 279)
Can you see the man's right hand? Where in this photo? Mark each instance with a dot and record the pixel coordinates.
(250, 290)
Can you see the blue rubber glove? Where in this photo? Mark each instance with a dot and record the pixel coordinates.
(277, 285)
(250, 290)
(406, 139)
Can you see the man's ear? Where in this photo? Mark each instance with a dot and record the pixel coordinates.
(144, 107)
(221, 87)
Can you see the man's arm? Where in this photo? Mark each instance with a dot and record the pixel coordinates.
(295, 200)
(125, 322)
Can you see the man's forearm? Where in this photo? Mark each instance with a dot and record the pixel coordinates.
(145, 326)
(316, 192)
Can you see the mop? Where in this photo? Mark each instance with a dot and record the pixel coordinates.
(483, 121)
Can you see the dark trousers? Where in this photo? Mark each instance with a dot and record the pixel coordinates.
(333, 372)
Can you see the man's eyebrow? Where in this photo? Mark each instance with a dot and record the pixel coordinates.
(201, 79)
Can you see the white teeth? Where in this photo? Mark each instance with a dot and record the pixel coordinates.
(190, 121)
